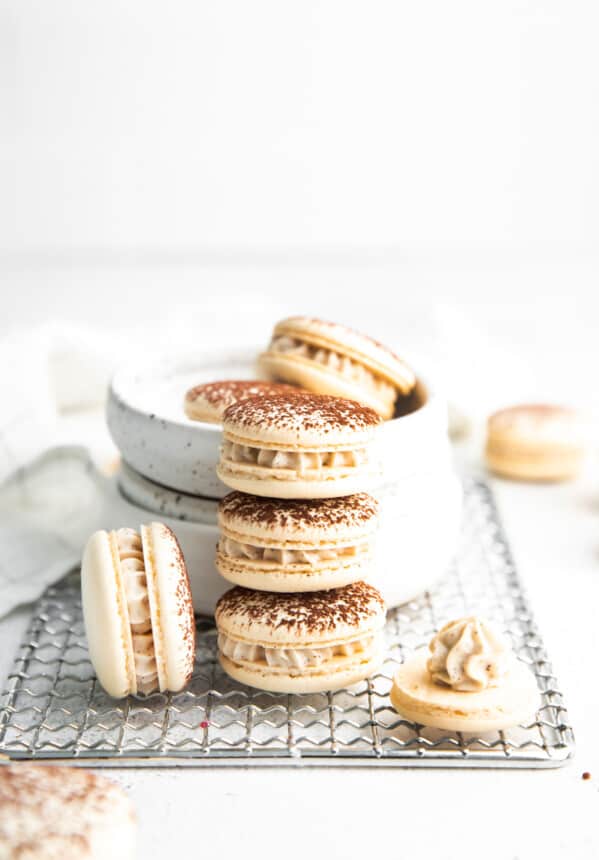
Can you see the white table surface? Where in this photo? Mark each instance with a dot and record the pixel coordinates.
(350, 812)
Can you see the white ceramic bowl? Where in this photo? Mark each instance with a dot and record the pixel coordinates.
(147, 423)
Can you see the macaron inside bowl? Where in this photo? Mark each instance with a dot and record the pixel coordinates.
(298, 446)
(328, 358)
(138, 610)
(301, 643)
(296, 546)
(207, 402)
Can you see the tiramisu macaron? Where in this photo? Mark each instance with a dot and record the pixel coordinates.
(291, 546)
(63, 813)
(328, 358)
(208, 402)
(536, 442)
(138, 610)
(467, 680)
(301, 643)
(298, 446)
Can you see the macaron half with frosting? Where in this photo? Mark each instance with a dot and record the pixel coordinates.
(138, 610)
(290, 546)
(467, 680)
(207, 402)
(301, 643)
(328, 358)
(298, 446)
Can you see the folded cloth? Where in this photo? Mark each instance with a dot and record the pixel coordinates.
(47, 511)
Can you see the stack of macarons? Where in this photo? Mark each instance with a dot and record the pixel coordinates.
(296, 535)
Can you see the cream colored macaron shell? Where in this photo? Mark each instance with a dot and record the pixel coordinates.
(289, 546)
(63, 813)
(418, 698)
(328, 358)
(537, 442)
(301, 643)
(207, 402)
(138, 610)
(302, 446)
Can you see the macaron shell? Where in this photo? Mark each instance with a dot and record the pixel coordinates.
(171, 608)
(540, 464)
(290, 621)
(321, 380)
(106, 618)
(302, 421)
(292, 578)
(253, 481)
(304, 525)
(321, 682)
(418, 698)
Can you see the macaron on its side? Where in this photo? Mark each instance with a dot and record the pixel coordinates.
(418, 698)
(298, 446)
(301, 643)
(63, 813)
(290, 546)
(208, 401)
(536, 442)
(106, 616)
(137, 610)
(328, 358)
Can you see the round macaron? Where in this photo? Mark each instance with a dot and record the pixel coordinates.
(290, 546)
(328, 358)
(298, 446)
(138, 610)
(208, 402)
(63, 813)
(301, 643)
(417, 697)
(538, 442)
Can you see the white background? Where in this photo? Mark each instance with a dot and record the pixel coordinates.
(182, 175)
(200, 126)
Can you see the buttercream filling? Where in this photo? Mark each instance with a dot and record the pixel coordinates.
(293, 658)
(345, 366)
(298, 461)
(138, 603)
(280, 555)
(468, 655)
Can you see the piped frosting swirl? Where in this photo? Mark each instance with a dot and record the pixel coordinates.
(468, 655)
(132, 564)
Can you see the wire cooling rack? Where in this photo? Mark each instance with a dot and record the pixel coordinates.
(54, 708)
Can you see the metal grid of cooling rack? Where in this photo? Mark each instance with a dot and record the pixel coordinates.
(53, 708)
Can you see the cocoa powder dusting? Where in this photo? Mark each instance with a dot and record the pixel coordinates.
(311, 612)
(228, 391)
(347, 511)
(301, 411)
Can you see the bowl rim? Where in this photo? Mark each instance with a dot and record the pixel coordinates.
(124, 375)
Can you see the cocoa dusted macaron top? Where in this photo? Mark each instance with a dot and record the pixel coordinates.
(207, 402)
(303, 521)
(302, 419)
(318, 616)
